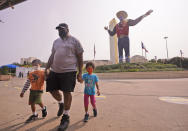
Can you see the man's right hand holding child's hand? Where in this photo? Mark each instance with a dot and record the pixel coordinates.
(46, 74)
(21, 94)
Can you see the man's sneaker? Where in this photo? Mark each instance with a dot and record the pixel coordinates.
(32, 118)
(86, 118)
(94, 112)
(64, 123)
(44, 112)
(60, 111)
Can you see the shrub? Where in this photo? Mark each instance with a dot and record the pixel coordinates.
(180, 62)
(4, 70)
(135, 67)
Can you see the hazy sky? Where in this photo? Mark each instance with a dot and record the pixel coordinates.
(29, 29)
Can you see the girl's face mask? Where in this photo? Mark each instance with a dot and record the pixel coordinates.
(90, 70)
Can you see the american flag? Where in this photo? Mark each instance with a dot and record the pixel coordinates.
(181, 52)
(143, 47)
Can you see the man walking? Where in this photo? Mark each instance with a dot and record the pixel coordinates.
(66, 57)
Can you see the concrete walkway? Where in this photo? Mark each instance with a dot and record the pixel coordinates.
(125, 105)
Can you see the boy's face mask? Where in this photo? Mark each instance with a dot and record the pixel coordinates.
(36, 67)
(90, 70)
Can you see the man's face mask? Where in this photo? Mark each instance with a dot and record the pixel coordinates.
(63, 33)
(90, 70)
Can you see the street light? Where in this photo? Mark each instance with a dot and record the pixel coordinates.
(166, 46)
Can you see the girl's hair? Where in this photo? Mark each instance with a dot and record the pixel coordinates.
(90, 64)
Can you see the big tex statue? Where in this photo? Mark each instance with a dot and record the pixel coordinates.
(122, 31)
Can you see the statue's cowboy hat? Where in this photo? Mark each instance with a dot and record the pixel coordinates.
(122, 14)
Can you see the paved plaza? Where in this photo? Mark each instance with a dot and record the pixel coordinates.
(124, 105)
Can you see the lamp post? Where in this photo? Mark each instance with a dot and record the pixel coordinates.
(166, 46)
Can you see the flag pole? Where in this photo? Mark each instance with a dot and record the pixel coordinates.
(94, 53)
(181, 58)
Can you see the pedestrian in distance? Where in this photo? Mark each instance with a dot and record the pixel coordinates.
(19, 74)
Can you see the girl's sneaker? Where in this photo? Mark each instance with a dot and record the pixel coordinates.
(95, 112)
(86, 118)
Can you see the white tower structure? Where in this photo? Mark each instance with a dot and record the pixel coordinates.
(113, 43)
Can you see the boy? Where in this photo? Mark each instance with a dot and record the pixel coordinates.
(36, 79)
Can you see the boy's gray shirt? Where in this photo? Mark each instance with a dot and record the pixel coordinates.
(65, 54)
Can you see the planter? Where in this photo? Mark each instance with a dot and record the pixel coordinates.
(5, 77)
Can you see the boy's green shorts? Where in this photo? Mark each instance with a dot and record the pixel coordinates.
(35, 97)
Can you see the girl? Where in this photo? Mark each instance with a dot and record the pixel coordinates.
(90, 81)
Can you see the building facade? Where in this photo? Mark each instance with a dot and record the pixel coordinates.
(28, 60)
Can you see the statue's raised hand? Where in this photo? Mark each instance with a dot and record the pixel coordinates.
(149, 12)
(106, 27)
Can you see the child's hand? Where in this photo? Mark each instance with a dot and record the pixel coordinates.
(46, 74)
(79, 77)
(81, 81)
(98, 93)
(21, 94)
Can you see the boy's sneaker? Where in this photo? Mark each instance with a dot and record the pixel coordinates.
(44, 112)
(32, 118)
(86, 118)
(95, 112)
(61, 108)
(64, 123)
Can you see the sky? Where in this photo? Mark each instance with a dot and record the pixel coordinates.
(29, 29)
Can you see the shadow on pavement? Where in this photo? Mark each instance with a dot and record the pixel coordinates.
(38, 126)
(11, 128)
(20, 125)
(75, 126)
